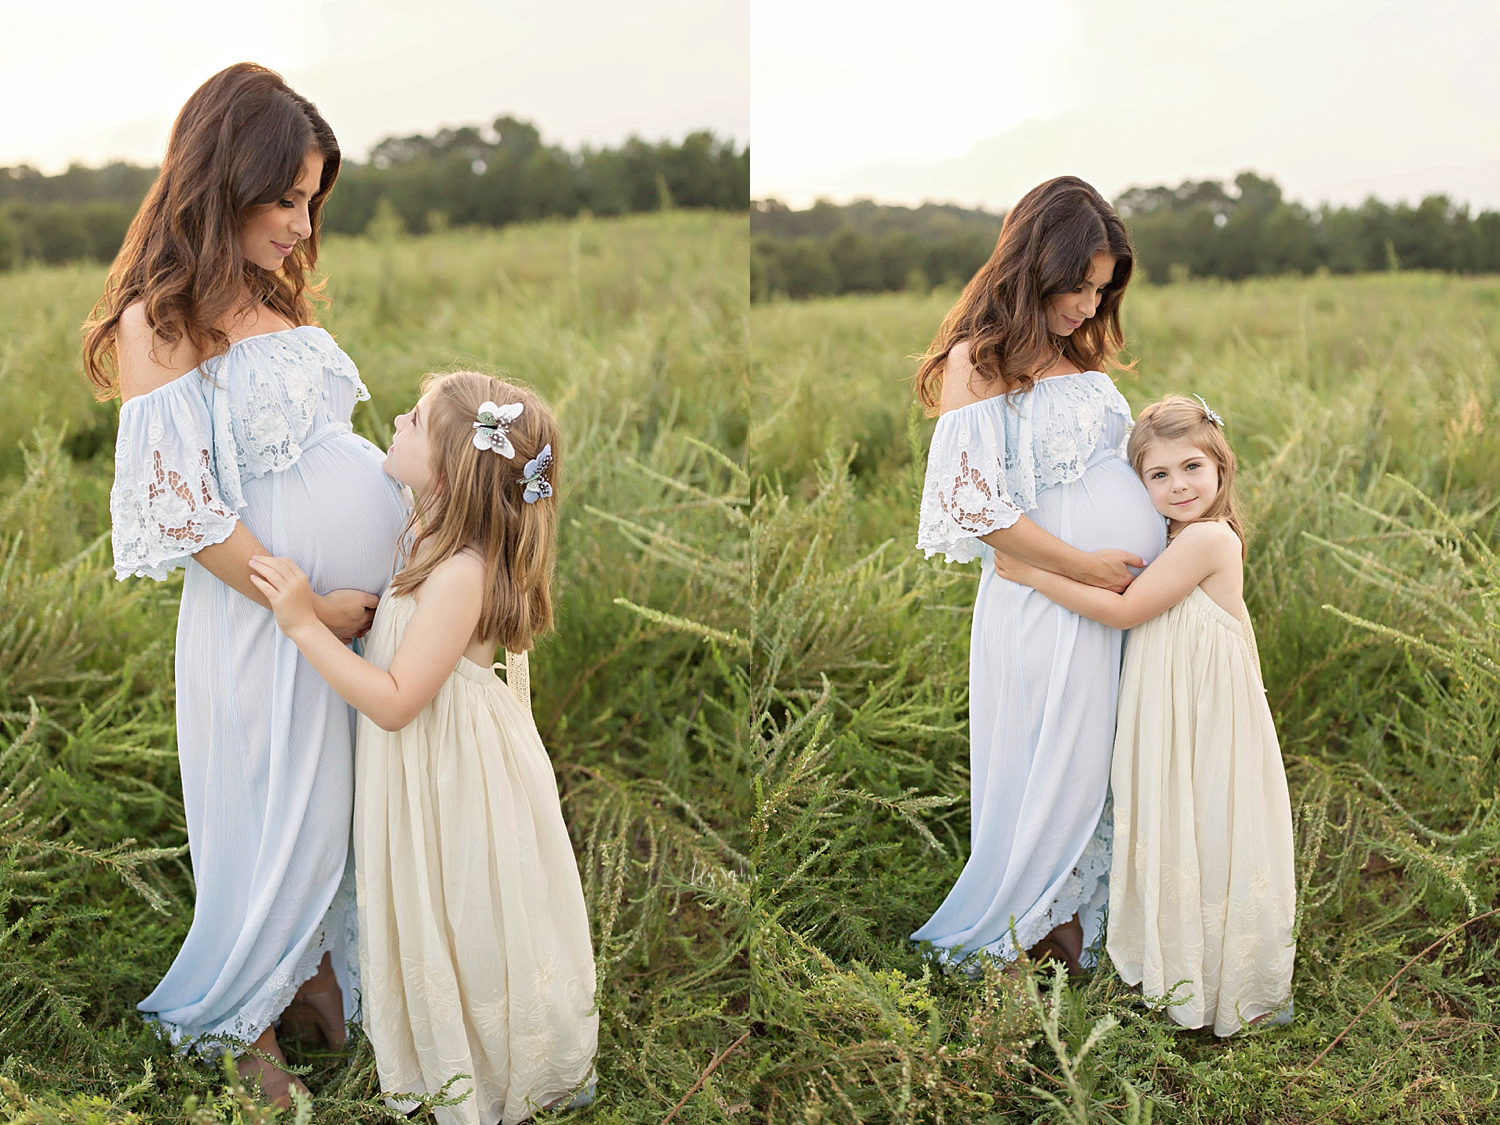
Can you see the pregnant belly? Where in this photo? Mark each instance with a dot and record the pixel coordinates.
(1106, 507)
(334, 512)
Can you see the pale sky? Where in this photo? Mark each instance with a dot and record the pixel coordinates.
(91, 80)
(975, 101)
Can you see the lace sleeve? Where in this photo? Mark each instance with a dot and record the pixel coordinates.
(166, 502)
(966, 493)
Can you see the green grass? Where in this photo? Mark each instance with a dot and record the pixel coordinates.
(756, 696)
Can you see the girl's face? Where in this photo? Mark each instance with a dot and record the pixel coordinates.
(1066, 312)
(409, 460)
(274, 229)
(1181, 478)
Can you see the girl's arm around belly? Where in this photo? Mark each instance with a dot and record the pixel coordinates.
(1026, 541)
(1200, 550)
(346, 612)
(437, 634)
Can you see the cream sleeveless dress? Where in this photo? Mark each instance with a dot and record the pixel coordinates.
(1202, 889)
(473, 937)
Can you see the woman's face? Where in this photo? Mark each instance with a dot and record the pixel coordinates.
(1066, 312)
(274, 229)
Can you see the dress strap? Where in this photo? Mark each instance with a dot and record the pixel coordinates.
(518, 676)
(1247, 629)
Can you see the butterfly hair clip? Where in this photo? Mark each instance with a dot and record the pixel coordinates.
(1210, 413)
(492, 431)
(534, 476)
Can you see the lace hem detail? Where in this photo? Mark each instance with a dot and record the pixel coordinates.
(988, 460)
(337, 933)
(1086, 885)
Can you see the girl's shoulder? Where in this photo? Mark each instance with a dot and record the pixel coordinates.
(460, 575)
(1211, 535)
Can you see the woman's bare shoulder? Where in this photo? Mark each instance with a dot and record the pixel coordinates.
(959, 384)
(147, 361)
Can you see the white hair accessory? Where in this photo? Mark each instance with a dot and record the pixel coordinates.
(534, 476)
(1210, 412)
(492, 429)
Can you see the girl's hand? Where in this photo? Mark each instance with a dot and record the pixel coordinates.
(1108, 568)
(1013, 569)
(286, 588)
(347, 613)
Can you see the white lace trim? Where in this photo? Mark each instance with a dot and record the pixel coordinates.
(164, 515)
(264, 421)
(338, 933)
(184, 450)
(518, 676)
(1087, 885)
(988, 460)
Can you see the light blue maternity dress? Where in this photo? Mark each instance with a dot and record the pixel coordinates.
(260, 434)
(1043, 682)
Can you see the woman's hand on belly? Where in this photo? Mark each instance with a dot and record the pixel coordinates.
(347, 613)
(1031, 543)
(1109, 569)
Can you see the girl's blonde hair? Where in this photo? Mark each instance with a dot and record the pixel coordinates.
(477, 502)
(1180, 419)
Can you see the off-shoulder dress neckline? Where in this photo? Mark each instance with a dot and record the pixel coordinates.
(1005, 395)
(225, 353)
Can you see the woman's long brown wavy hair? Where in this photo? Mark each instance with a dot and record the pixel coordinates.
(238, 144)
(477, 502)
(1047, 244)
(1180, 419)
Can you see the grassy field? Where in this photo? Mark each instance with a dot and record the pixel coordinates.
(756, 696)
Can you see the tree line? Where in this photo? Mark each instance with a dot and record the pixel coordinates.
(469, 176)
(1200, 229)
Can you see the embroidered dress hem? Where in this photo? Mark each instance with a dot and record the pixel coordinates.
(247, 1024)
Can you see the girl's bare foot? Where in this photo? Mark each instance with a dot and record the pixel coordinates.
(275, 1083)
(319, 1003)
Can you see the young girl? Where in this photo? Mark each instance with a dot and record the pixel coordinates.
(1202, 889)
(474, 941)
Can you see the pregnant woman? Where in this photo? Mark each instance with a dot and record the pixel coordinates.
(234, 441)
(1026, 460)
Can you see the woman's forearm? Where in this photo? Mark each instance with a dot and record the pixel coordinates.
(347, 613)
(229, 562)
(1031, 543)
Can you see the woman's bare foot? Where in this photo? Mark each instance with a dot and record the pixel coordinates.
(275, 1083)
(321, 998)
(1063, 943)
(1070, 936)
